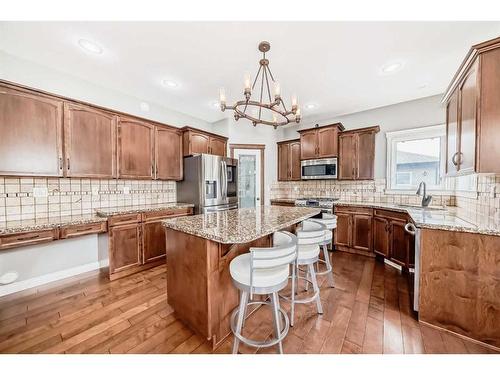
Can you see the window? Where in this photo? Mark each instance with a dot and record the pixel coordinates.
(414, 156)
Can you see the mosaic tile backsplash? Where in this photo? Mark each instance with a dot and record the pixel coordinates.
(76, 196)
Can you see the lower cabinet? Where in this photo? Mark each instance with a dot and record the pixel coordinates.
(354, 230)
(137, 241)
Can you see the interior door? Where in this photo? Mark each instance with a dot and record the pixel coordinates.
(452, 134)
(294, 161)
(347, 156)
(135, 149)
(327, 142)
(89, 142)
(283, 154)
(249, 177)
(308, 144)
(30, 134)
(467, 127)
(168, 154)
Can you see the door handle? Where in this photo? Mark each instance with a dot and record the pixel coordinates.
(68, 163)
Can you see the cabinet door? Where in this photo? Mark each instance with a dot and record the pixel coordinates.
(283, 154)
(399, 242)
(89, 142)
(124, 247)
(362, 232)
(467, 117)
(30, 134)
(198, 143)
(168, 154)
(154, 247)
(328, 142)
(217, 146)
(135, 149)
(294, 161)
(347, 156)
(344, 229)
(365, 156)
(381, 236)
(452, 134)
(309, 144)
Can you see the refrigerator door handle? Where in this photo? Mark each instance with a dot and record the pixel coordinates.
(224, 179)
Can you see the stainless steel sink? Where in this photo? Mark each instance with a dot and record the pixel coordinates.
(417, 206)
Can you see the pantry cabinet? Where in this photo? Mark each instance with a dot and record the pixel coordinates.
(473, 113)
(196, 141)
(289, 160)
(357, 154)
(320, 142)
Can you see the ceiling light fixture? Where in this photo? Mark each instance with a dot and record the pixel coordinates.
(169, 83)
(392, 67)
(276, 107)
(89, 46)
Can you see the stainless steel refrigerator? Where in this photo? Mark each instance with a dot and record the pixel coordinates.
(210, 183)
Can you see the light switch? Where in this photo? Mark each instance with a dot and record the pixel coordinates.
(40, 192)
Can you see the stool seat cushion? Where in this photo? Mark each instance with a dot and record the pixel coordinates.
(308, 252)
(262, 278)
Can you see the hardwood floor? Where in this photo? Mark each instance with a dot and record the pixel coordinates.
(367, 312)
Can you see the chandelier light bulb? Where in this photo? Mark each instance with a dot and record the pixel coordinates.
(277, 90)
(222, 96)
(247, 81)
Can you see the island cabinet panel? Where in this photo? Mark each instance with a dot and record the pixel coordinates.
(460, 283)
(31, 127)
(196, 141)
(135, 149)
(125, 247)
(89, 142)
(168, 154)
(320, 142)
(289, 161)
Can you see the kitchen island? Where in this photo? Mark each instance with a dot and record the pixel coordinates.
(199, 251)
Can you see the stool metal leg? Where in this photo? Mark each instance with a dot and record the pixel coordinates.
(241, 316)
(328, 266)
(277, 329)
(245, 308)
(315, 288)
(294, 282)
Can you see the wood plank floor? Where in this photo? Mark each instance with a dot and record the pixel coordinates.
(367, 312)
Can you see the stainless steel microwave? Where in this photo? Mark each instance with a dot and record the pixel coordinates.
(319, 169)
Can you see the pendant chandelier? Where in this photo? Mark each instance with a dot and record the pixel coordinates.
(274, 112)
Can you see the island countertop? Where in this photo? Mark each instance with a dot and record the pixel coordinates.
(241, 225)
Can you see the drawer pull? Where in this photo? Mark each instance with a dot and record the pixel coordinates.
(28, 238)
(84, 229)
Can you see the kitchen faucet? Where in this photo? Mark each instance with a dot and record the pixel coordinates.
(426, 199)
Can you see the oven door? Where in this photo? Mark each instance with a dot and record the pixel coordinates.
(319, 169)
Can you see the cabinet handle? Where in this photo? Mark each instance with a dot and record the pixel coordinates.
(28, 238)
(61, 163)
(85, 229)
(453, 158)
(67, 160)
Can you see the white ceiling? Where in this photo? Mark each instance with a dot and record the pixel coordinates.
(335, 65)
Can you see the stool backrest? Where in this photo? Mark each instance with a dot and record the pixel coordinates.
(311, 232)
(329, 220)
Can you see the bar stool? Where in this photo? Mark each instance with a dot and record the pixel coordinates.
(309, 237)
(330, 221)
(263, 271)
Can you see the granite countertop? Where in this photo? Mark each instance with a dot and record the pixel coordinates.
(21, 226)
(446, 218)
(241, 225)
(111, 211)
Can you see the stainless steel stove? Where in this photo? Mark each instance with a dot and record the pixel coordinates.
(326, 204)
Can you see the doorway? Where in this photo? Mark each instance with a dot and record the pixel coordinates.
(250, 173)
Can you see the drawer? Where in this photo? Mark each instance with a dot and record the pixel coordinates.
(171, 212)
(28, 238)
(391, 214)
(124, 219)
(82, 229)
(352, 209)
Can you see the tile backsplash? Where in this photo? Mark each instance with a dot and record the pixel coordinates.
(75, 196)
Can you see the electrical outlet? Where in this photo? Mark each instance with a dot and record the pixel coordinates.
(40, 192)
(126, 190)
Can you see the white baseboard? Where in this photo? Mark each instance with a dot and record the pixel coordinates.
(55, 276)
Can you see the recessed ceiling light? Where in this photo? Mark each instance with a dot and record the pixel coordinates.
(89, 46)
(169, 83)
(392, 67)
(422, 86)
(144, 106)
(310, 106)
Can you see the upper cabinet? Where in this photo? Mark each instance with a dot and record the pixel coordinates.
(357, 154)
(320, 142)
(135, 149)
(31, 127)
(89, 142)
(473, 112)
(168, 154)
(289, 160)
(196, 141)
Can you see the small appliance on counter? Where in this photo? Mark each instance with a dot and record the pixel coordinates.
(318, 169)
(210, 183)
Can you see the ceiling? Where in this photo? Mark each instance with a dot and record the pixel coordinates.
(334, 65)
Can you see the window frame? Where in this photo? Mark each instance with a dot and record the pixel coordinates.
(413, 135)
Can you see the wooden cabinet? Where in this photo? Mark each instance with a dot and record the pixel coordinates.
(153, 241)
(289, 160)
(135, 149)
(473, 112)
(320, 142)
(125, 247)
(199, 142)
(357, 154)
(168, 154)
(89, 142)
(31, 127)
(354, 230)
(381, 236)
